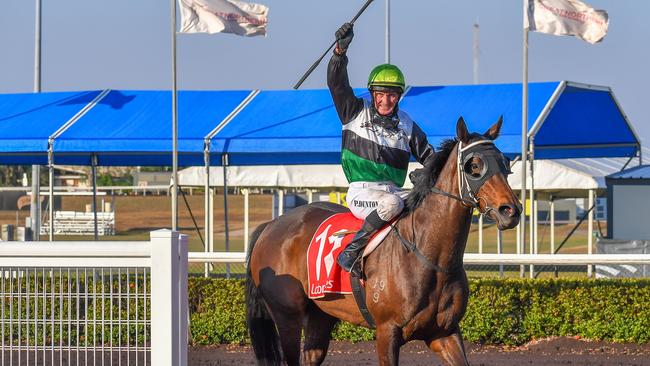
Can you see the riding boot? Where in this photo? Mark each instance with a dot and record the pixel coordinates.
(348, 259)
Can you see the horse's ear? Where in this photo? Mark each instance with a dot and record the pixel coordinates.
(461, 130)
(494, 131)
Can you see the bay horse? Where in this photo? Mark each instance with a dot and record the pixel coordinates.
(422, 294)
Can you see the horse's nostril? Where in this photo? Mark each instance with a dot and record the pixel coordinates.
(507, 210)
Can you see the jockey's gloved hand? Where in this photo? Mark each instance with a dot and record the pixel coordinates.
(344, 37)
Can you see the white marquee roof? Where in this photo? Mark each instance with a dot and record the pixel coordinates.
(562, 178)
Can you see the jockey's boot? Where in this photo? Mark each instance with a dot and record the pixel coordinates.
(348, 259)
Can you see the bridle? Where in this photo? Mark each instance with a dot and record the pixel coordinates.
(468, 185)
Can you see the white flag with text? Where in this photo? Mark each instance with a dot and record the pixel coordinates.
(566, 17)
(223, 16)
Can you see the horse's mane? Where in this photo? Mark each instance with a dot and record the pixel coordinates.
(428, 175)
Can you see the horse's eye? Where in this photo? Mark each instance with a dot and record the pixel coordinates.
(475, 168)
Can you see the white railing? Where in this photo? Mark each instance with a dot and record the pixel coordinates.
(79, 191)
(87, 302)
(473, 258)
(556, 259)
(216, 257)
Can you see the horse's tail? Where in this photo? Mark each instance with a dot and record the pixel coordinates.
(261, 327)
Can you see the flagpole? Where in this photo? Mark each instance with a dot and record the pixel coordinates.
(475, 49)
(35, 206)
(387, 31)
(174, 125)
(524, 140)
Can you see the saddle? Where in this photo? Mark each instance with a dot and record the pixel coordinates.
(332, 236)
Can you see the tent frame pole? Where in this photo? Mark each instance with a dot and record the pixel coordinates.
(539, 122)
(208, 233)
(50, 165)
(246, 193)
(211, 215)
(281, 201)
(35, 203)
(590, 230)
(224, 162)
(50, 151)
(224, 159)
(536, 225)
(552, 209)
(93, 169)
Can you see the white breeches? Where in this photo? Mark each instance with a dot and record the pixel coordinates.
(385, 197)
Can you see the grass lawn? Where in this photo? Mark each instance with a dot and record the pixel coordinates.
(136, 216)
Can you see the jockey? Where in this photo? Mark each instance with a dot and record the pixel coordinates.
(378, 140)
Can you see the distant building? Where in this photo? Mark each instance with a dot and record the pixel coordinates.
(152, 179)
(65, 176)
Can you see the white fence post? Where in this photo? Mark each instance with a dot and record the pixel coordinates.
(183, 305)
(168, 286)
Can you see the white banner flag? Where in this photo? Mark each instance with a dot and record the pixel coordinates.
(227, 16)
(566, 17)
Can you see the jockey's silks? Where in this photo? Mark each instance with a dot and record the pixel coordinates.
(373, 152)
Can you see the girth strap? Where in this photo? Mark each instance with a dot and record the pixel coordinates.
(359, 293)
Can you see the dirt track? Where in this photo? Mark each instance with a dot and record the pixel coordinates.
(557, 351)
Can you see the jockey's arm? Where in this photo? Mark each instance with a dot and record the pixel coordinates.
(346, 103)
(420, 147)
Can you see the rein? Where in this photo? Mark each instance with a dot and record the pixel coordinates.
(412, 247)
(466, 203)
(471, 204)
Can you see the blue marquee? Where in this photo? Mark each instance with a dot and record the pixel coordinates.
(128, 128)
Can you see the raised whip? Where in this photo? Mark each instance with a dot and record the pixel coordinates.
(311, 69)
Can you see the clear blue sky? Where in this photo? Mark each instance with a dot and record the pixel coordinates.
(125, 44)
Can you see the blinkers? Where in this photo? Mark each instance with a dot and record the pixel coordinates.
(478, 162)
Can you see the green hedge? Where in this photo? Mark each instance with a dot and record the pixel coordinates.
(26, 295)
(499, 311)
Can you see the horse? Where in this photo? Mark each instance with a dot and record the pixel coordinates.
(421, 297)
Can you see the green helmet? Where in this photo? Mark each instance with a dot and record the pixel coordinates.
(386, 76)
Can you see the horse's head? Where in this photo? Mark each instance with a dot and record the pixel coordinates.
(482, 175)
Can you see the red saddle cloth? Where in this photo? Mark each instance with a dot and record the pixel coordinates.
(332, 236)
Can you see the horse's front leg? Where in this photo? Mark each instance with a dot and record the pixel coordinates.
(389, 340)
(449, 348)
